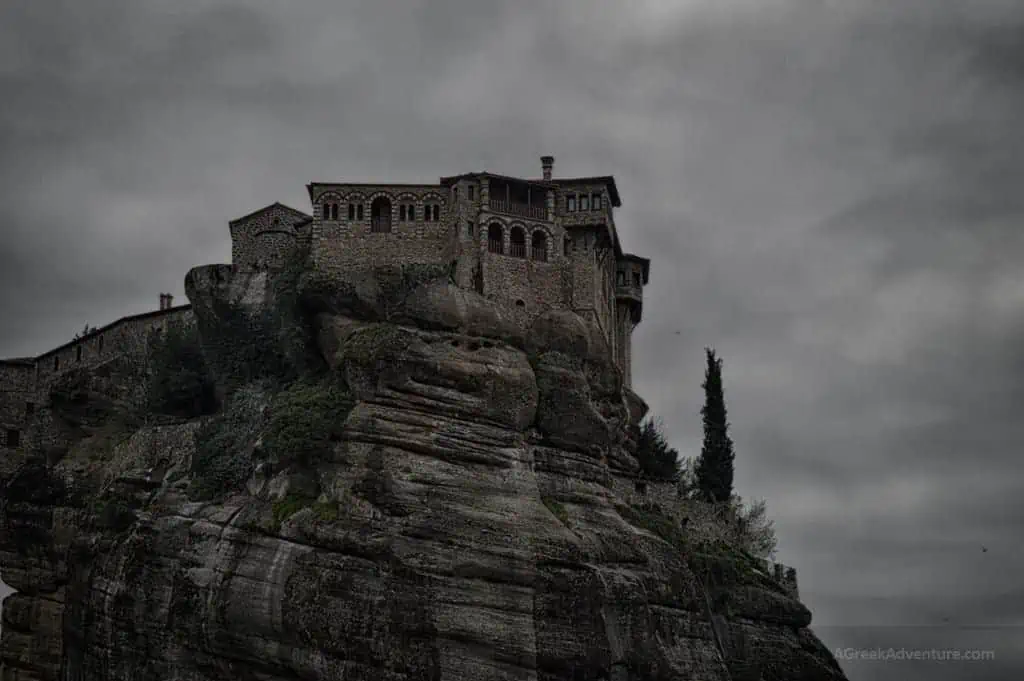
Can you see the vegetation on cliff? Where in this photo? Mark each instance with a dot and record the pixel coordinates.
(656, 457)
(715, 465)
(179, 382)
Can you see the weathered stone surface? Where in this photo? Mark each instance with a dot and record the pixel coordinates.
(466, 528)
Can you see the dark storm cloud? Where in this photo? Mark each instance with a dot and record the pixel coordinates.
(829, 191)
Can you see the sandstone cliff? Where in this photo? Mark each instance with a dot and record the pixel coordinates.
(398, 484)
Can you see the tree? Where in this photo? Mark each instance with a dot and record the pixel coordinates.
(656, 458)
(715, 464)
(179, 382)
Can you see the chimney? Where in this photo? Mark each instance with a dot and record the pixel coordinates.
(163, 300)
(546, 164)
(170, 300)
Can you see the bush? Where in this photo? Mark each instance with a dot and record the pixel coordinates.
(223, 458)
(179, 382)
(746, 528)
(305, 421)
(656, 458)
(289, 506)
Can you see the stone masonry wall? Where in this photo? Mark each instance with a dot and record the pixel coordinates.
(523, 286)
(266, 238)
(24, 384)
(17, 390)
(637, 491)
(338, 244)
(126, 335)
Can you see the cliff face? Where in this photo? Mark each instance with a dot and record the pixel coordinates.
(426, 495)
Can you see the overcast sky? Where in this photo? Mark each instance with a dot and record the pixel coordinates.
(831, 193)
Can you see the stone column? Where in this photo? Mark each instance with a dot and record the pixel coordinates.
(551, 205)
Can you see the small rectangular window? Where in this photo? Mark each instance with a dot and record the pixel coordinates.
(471, 192)
(584, 202)
(359, 212)
(570, 204)
(326, 211)
(595, 202)
(412, 212)
(620, 278)
(13, 438)
(469, 227)
(437, 213)
(401, 212)
(334, 211)
(78, 353)
(351, 211)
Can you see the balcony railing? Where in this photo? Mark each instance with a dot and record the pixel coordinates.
(522, 210)
(495, 246)
(517, 250)
(380, 225)
(629, 291)
(540, 254)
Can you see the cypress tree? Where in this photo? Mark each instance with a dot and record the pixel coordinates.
(656, 457)
(715, 464)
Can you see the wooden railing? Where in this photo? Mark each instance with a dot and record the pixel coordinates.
(380, 225)
(520, 209)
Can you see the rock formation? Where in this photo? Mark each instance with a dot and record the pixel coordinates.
(398, 485)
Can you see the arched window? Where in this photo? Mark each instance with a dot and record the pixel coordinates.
(380, 215)
(521, 304)
(495, 238)
(518, 243)
(334, 211)
(437, 212)
(540, 246)
(326, 213)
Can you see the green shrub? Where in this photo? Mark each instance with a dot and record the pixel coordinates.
(557, 509)
(289, 506)
(179, 382)
(653, 520)
(656, 458)
(223, 461)
(306, 420)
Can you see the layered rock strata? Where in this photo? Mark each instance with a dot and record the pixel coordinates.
(458, 523)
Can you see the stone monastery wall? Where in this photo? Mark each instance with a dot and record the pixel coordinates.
(391, 238)
(25, 384)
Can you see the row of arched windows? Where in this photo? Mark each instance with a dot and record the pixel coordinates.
(517, 242)
(380, 213)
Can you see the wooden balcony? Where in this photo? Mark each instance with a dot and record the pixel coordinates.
(522, 210)
(629, 292)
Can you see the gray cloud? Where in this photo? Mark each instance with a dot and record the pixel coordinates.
(829, 192)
